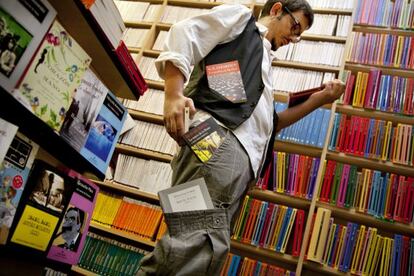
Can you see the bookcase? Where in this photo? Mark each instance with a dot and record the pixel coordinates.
(342, 215)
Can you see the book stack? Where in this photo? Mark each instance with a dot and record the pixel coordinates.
(291, 174)
(269, 226)
(108, 257)
(127, 214)
(383, 195)
(134, 38)
(371, 138)
(174, 14)
(359, 249)
(310, 130)
(332, 4)
(151, 102)
(135, 12)
(237, 265)
(330, 24)
(159, 42)
(154, 175)
(149, 71)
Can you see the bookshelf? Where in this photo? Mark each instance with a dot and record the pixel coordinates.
(302, 266)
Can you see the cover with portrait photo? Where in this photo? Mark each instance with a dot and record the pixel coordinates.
(104, 133)
(68, 242)
(44, 201)
(23, 25)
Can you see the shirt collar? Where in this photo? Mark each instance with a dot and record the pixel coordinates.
(263, 30)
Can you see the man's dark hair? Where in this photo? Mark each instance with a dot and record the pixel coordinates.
(292, 5)
(81, 214)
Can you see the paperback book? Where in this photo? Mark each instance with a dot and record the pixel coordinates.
(204, 139)
(23, 25)
(69, 240)
(14, 172)
(7, 133)
(189, 196)
(296, 98)
(225, 80)
(56, 71)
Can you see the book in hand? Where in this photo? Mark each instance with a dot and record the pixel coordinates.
(296, 98)
(225, 80)
(204, 139)
(189, 196)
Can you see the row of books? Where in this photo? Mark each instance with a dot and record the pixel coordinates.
(126, 214)
(332, 4)
(109, 257)
(315, 52)
(299, 79)
(237, 265)
(372, 138)
(134, 37)
(381, 92)
(152, 102)
(291, 174)
(159, 42)
(147, 67)
(154, 175)
(310, 130)
(150, 136)
(354, 248)
(135, 12)
(270, 225)
(382, 195)
(174, 14)
(385, 13)
(381, 49)
(330, 24)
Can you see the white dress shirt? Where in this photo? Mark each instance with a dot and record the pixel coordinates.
(221, 25)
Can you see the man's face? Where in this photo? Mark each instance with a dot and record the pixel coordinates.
(286, 27)
(70, 226)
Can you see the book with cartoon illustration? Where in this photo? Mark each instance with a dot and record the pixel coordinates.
(204, 139)
(225, 80)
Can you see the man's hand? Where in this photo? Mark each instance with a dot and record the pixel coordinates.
(174, 115)
(333, 90)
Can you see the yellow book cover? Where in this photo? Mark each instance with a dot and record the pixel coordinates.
(357, 89)
(363, 88)
(376, 258)
(399, 51)
(389, 256)
(358, 249)
(387, 141)
(288, 230)
(279, 222)
(370, 254)
(328, 248)
(368, 248)
(340, 250)
(279, 183)
(362, 199)
(35, 228)
(319, 235)
(364, 245)
(242, 214)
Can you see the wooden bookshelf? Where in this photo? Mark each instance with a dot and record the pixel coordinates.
(143, 153)
(386, 70)
(282, 199)
(291, 147)
(313, 268)
(148, 117)
(325, 38)
(382, 30)
(376, 114)
(82, 271)
(306, 66)
(123, 234)
(156, 84)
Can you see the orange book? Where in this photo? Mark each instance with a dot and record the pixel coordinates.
(250, 221)
(281, 215)
(119, 215)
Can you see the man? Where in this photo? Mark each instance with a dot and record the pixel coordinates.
(198, 241)
(71, 227)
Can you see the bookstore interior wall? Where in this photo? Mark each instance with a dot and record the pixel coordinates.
(338, 199)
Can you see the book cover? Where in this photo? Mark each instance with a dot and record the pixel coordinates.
(296, 98)
(83, 110)
(23, 25)
(225, 80)
(67, 244)
(204, 139)
(14, 172)
(190, 196)
(45, 199)
(104, 133)
(7, 133)
(56, 71)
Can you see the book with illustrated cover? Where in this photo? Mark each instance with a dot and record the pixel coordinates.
(190, 196)
(69, 240)
(225, 79)
(7, 133)
(296, 98)
(23, 25)
(14, 172)
(56, 71)
(204, 139)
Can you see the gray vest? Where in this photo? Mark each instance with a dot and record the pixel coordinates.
(247, 49)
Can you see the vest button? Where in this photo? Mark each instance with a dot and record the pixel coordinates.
(253, 104)
(245, 116)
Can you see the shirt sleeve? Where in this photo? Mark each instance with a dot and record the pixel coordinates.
(190, 40)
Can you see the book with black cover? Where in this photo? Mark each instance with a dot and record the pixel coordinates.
(296, 98)
(204, 139)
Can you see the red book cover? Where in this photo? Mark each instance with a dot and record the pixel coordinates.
(266, 224)
(299, 176)
(349, 89)
(329, 179)
(401, 190)
(393, 195)
(324, 184)
(348, 142)
(306, 176)
(364, 136)
(298, 233)
(342, 132)
(296, 98)
(409, 204)
(356, 131)
(249, 222)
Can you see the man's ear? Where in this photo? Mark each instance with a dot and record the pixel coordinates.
(276, 9)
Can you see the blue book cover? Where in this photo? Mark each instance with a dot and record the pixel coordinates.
(313, 178)
(345, 247)
(383, 194)
(335, 129)
(283, 229)
(369, 138)
(324, 127)
(382, 92)
(410, 263)
(395, 261)
(335, 245)
(234, 265)
(104, 133)
(317, 127)
(372, 194)
(258, 230)
(352, 244)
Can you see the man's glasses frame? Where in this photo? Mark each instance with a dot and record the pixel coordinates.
(296, 27)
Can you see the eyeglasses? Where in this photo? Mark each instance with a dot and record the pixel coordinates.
(296, 27)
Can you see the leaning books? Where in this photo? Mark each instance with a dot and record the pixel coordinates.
(189, 196)
(204, 139)
(14, 172)
(23, 25)
(55, 72)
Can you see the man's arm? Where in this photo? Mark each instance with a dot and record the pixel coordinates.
(333, 90)
(175, 102)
